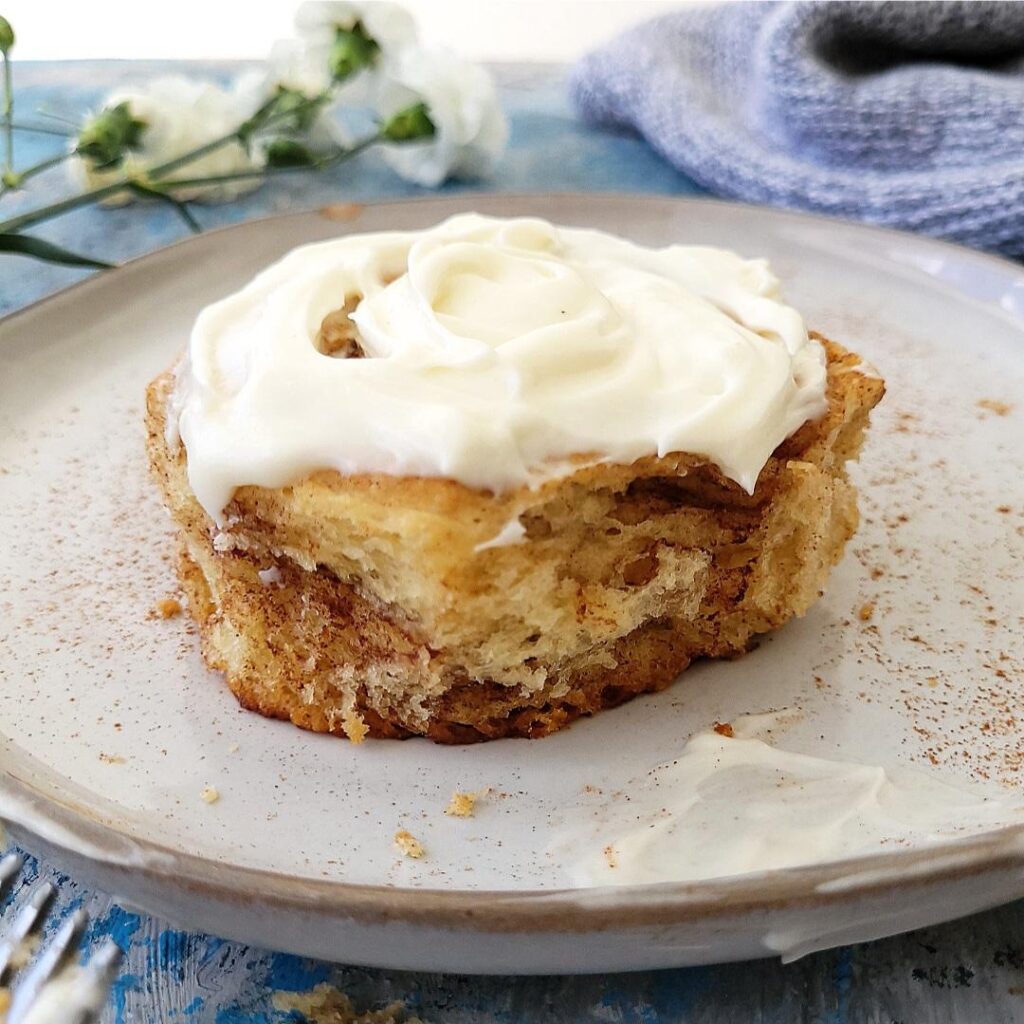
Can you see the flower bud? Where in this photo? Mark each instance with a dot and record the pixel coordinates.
(352, 51)
(106, 138)
(288, 153)
(6, 35)
(409, 124)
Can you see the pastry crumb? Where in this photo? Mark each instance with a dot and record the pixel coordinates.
(993, 405)
(168, 608)
(112, 759)
(209, 794)
(409, 844)
(461, 805)
(866, 611)
(724, 729)
(355, 728)
(342, 211)
(326, 1004)
(933, 680)
(233, 749)
(609, 855)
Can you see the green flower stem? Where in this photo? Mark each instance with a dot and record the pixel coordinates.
(148, 192)
(8, 117)
(195, 154)
(39, 129)
(257, 123)
(154, 175)
(94, 195)
(18, 178)
(268, 172)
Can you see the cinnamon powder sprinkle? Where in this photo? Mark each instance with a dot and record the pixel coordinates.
(992, 405)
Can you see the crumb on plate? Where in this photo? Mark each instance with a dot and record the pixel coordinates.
(209, 794)
(167, 608)
(866, 611)
(355, 728)
(461, 805)
(341, 211)
(724, 729)
(326, 1004)
(409, 844)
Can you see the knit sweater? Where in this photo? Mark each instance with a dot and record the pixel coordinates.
(909, 115)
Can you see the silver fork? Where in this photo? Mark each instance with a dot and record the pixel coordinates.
(52, 988)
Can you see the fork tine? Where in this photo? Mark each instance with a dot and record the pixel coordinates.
(23, 923)
(97, 976)
(104, 959)
(76, 995)
(45, 965)
(9, 867)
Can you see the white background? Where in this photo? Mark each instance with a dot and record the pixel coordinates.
(519, 30)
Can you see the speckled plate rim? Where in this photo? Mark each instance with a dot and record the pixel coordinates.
(66, 827)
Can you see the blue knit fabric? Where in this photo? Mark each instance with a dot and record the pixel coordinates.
(904, 114)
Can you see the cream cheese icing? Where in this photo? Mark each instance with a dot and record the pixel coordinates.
(494, 351)
(732, 805)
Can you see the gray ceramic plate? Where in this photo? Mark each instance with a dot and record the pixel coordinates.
(110, 726)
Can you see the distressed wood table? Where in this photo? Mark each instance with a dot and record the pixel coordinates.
(971, 970)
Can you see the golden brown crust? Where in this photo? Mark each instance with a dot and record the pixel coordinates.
(378, 611)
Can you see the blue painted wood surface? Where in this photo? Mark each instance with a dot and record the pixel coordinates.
(971, 970)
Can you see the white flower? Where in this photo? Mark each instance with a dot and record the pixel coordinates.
(389, 25)
(181, 114)
(303, 63)
(471, 130)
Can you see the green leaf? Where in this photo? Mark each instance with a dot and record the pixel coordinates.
(40, 249)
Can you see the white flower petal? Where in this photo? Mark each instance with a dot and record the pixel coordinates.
(297, 66)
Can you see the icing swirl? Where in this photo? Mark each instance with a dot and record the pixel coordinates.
(493, 351)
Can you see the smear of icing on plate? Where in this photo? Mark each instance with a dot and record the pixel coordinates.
(733, 804)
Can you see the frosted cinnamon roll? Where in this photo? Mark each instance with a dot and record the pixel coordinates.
(479, 480)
